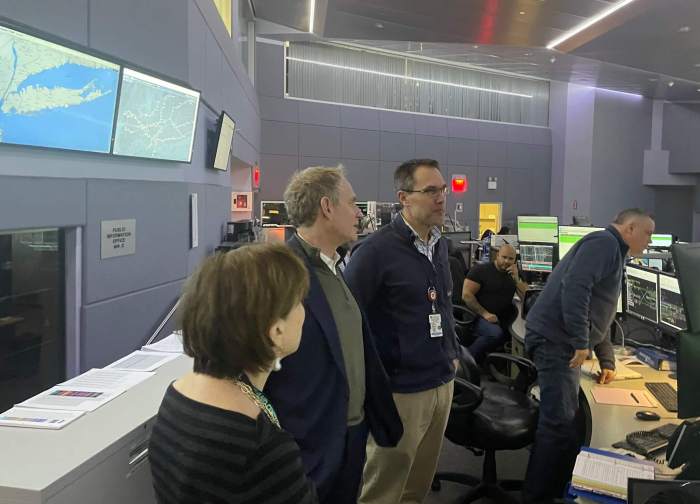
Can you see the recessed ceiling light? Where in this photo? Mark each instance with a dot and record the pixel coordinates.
(652, 79)
(476, 47)
(527, 54)
(698, 90)
(697, 65)
(312, 15)
(379, 25)
(684, 29)
(552, 59)
(670, 84)
(522, 13)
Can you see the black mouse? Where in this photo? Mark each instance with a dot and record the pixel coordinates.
(647, 415)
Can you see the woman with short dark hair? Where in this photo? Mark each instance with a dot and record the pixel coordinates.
(217, 438)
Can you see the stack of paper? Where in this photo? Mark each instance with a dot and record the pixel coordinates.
(143, 361)
(592, 368)
(169, 344)
(38, 418)
(88, 391)
(607, 473)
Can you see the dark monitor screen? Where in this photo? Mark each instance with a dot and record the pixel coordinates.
(539, 258)
(642, 294)
(363, 206)
(671, 312)
(640, 491)
(686, 259)
(273, 213)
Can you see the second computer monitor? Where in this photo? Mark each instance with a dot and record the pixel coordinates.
(671, 313)
(538, 229)
(538, 258)
(642, 294)
(570, 235)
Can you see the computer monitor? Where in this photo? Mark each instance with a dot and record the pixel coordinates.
(661, 241)
(538, 258)
(671, 312)
(686, 259)
(642, 299)
(227, 127)
(363, 206)
(570, 235)
(643, 491)
(538, 229)
(155, 118)
(500, 240)
(273, 213)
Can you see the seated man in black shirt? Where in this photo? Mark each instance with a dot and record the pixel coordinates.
(488, 291)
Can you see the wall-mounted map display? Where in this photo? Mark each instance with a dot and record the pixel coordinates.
(53, 96)
(155, 119)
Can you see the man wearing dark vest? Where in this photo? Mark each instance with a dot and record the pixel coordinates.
(401, 277)
(333, 390)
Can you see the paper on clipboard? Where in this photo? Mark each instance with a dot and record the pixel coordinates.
(622, 397)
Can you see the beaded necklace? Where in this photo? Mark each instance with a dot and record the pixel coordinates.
(260, 400)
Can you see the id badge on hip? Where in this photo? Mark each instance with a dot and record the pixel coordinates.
(435, 321)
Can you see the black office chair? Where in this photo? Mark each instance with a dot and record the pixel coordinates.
(505, 418)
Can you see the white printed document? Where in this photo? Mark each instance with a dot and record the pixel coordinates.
(606, 473)
(142, 361)
(169, 344)
(38, 418)
(88, 391)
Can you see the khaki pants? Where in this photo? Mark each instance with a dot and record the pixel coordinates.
(403, 474)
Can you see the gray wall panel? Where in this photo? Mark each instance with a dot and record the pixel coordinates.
(319, 113)
(542, 136)
(364, 178)
(196, 49)
(152, 35)
(432, 147)
(113, 329)
(462, 151)
(397, 146)
(359, 118)
(518, 194)
(460, 128)
(492, 131)
(673, 211)
(519, 134)
(307, 161)
(397, 122)
(279, 109)
(492, 153)
(213, 71)
(520, 155)
(436, 126)
(490, 195)
(275, 172)
(321, 141)
(269, 79)
(162, 236)
(386, 181)
(280, 138)
(359, 144)
(30, 202)
(681, 130)
(63, 18)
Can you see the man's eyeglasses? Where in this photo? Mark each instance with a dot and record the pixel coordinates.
(431, 191)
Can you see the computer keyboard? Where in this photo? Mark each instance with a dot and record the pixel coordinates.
(665, 394)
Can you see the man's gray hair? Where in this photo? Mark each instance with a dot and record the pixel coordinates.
(306, 189)
(629, 214)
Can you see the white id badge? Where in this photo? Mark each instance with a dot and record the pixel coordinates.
(435, 321)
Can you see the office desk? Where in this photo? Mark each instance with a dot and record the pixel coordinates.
(97, 458)
(606, 424)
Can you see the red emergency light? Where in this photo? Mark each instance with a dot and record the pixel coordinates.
(256, 177)
(460, 184)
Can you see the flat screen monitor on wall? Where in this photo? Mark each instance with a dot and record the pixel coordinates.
(155, 119)
(538, 229)
(642, 299)
(570, 235)
(661, 241)
(53, 96)
(226, 129)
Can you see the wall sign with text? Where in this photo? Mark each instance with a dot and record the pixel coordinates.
(118, 238)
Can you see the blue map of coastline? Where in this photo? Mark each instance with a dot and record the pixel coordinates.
(86, 127)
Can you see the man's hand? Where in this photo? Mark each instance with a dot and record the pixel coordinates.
(513, 272)
(606, 376)
(578, 358)
(490, 317)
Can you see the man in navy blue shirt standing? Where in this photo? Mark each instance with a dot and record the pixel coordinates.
(400, 276)
(572, 315)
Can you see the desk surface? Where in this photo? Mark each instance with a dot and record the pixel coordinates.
(611, 423)
(36, 459)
